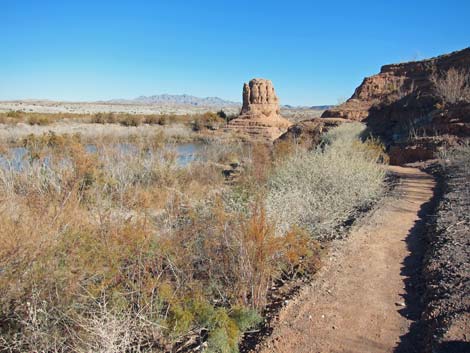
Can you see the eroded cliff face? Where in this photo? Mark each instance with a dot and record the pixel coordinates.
(260, 115)
(402, 106)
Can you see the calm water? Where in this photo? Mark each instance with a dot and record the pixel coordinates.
(186, 153)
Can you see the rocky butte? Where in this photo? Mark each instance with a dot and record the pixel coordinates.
(260, 114)
(402, 105)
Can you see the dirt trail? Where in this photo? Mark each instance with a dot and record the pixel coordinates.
(358, 301)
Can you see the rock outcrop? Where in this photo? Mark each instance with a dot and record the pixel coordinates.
(308, 133)
(401, 106)
(260, 114)
(398, 81)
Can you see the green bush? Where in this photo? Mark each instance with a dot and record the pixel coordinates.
(221, 114)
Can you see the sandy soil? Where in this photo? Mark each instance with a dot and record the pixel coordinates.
(44, 106)
(52, 107)
(358, 300)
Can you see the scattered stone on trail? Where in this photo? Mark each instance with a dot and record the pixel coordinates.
(260, 115)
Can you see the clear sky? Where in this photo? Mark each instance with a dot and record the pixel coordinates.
(315, 52)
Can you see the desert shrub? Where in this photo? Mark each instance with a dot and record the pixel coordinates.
(458, 155)
(221, 114)
(452, 86)
(14, 114)
(259, 250)
(161, 119)
(282, 149)
(113, 331)
(118, 248)
(104, 118)
(260, 164)
(130, 120)
(226, 328)
(320, 190)
(196, 125)
(98, 118)
(207, 120)
(226, 153)
(40, 329)
(39, 120)
(300, 253)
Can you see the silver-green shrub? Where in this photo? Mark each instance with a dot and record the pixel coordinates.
(321, 190)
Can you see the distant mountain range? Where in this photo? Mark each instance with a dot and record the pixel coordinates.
(313, 107)
(188, 100)
(177, 100)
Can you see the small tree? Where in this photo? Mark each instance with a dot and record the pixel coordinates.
(453, 86)
(222, 114)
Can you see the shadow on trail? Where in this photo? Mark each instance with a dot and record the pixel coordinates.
(414, 340)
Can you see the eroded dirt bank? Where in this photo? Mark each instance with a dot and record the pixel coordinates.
(358, 300)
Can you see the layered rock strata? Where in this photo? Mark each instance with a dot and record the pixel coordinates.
(260, 114)
(402, 106)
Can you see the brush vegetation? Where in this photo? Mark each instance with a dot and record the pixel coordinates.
(118, 248)
(321, 190)
(208, 120)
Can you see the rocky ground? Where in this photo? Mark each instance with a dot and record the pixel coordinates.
(447, 266)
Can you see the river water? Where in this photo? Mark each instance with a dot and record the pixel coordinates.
(185, 154)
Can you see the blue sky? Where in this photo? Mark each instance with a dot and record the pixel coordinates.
(315, 52)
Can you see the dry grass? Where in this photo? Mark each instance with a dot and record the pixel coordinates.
(204, 120)
(452, 86)
(458, 155)
(119, 248)
(124, 223)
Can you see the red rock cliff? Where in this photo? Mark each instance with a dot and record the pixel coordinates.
(400, 104)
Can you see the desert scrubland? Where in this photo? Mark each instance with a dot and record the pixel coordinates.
(119, 247)
(132, 228)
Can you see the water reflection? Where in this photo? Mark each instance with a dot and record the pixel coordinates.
(16, 159)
